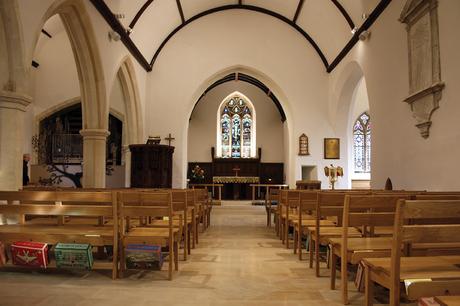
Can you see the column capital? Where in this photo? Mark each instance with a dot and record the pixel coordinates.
(14, 100)
(96, 134)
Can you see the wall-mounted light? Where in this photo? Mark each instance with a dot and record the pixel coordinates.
(365, 35)
(114, 36)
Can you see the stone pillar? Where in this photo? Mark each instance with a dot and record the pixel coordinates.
(126, 153)
(12, 108)
(94, 157)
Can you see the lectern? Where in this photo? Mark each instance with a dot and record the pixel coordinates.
(151, 165)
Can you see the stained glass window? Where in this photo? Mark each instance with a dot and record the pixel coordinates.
(236, 128)
(362, 144)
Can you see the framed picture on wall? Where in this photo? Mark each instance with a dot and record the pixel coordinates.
(331, 148)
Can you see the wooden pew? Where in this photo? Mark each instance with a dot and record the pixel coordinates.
(288, 210)
(328, 205)
(272, 196)
(362, 211)
(144, 205)
(433, 274)
(306, 217)
(103, 205)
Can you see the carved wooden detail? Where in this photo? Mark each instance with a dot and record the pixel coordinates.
(425, 85)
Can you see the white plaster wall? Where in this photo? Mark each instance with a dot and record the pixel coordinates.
(399, 152)
(202, 132)
(268, 49)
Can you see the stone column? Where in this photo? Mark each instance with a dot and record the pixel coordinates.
(12, 108)
(94, 157)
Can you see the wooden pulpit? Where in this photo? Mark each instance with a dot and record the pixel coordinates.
(151, 165)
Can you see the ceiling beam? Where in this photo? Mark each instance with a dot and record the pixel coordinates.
(181, 12)
(355, 38)
(344, 13)
(139, 13)
(242, 7)
(116, 26)
(298, 10)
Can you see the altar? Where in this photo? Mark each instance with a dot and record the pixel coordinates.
(236, 187)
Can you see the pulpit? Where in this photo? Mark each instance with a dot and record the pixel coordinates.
(151, 165)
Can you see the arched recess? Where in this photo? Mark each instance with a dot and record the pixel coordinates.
(95, 110)
(351, 77)
(289, 144)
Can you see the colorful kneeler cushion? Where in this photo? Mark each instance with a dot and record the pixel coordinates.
(30, 254)
(143, 256)
(73, 256)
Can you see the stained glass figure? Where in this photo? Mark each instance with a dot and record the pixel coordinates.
(236, 129)
(362, 144)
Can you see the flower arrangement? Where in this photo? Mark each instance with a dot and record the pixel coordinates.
(198, 173)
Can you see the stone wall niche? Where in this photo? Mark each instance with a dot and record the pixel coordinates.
(425, 85)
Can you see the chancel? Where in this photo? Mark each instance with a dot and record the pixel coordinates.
(231, 152)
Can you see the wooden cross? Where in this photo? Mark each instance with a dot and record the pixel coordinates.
(236, 169)
(169, 139)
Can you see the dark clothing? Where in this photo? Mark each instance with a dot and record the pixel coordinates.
(25, 173)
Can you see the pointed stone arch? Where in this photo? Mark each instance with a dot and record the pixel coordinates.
(133, 112)
(95, 110)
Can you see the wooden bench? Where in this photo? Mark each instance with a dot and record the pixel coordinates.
(366, 212)
(146, 205)
(427, 275)
(90, 206)
(306, 217)
(329, 205)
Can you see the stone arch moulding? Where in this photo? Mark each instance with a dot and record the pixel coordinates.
(134, 121)
(78, 26)
(95, 111)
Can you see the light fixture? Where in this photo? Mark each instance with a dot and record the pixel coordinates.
(364, 35)
(114, 36)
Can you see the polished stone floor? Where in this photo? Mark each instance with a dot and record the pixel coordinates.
(238, 261)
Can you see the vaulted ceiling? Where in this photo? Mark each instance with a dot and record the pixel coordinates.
(329, 26)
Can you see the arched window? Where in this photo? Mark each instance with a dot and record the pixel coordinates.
(236, 128)
(362, 144)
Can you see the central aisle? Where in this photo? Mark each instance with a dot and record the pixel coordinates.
(238, 261)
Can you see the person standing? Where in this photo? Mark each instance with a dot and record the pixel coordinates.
(25, 169)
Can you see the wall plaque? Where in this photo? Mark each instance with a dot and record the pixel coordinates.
(425, 85)
(303, 145)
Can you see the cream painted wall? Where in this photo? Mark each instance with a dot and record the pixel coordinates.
(398, 150)
(269, 50)
(202, 133)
